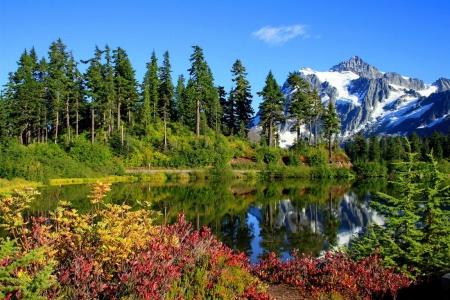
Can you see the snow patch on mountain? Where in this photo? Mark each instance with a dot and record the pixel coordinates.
(340, 80)
(438, 120)
(429, 89)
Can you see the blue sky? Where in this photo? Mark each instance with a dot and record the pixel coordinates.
(408, 37)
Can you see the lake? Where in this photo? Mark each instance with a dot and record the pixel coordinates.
(251, 216)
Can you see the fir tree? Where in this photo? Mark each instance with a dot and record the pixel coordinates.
(179, 91)
(126, 85)
(416, 234)
(108, 92)
(374, 153)
(316, 113)
(331, 125)
(58, 82)
(298, 107)
(166, 94)
(242, 96)
(202, 88)
(271, 107)
(94, 84)
(226, 109)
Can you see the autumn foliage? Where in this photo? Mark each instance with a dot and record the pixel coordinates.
(116, 253)
(333, 275)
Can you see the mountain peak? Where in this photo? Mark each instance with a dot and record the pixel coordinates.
(356, 65)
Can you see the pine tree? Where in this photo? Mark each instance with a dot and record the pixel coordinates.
(58, 82)
(20, 94)
(225, 117)
(414, 141)
(179, 92)
(436, 145)
(331, 125)
(416, 233)
(229, 113)
(271, 107)
(108, 92)
(149, 89)
(126, 85)
(316, 113)
(203, 89)
(298, 107)
(166, 94)
(94, 83)
(189, 105)
(374, 153)
(242, 96)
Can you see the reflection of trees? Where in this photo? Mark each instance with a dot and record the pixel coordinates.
(236, 233)
(331, 222)
(273, 238)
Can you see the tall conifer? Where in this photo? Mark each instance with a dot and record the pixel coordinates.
(272, 107)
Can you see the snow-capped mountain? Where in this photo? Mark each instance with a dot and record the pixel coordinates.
(376, 102)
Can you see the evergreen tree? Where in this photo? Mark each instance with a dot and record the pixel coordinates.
(272, 107)
(189, 105)
(414, 141)
(374, 153)
(242, 96)
(436, 145)
(298, 107)
(416, 233)
(179, 92)
(126, 85)
(57, 83)
(316, 113)
(108, 93)
(331, 125)
(94, 87)
(150, 92)
(20, 94)
(229, 115)
(166, 94)
(202, 88)
(226, 109)
(359, 147)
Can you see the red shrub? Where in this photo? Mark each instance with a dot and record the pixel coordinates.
(333, 274)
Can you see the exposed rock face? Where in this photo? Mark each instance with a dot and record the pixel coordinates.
(358, 66)
(375, 102)
(442, 84)
(329, 91)
(314, 81)
(410, 83)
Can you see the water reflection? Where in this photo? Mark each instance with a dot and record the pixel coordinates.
(253, 217)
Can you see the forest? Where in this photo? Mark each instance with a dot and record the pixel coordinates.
(54, 117)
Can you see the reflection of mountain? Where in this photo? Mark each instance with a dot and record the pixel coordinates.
(351, 214)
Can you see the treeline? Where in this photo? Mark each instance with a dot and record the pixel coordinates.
(105, 112)
(373, 156)
(50, 99)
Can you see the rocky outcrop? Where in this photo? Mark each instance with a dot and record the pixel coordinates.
(410, 83)
(359, 67)
(329, 91)
(442, 84)
(314, 81)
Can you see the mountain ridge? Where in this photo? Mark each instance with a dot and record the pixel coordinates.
(373, 102)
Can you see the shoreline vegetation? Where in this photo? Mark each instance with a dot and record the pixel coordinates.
(113, 252)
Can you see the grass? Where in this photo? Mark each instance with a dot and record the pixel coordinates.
(110, 179)
(6, 186)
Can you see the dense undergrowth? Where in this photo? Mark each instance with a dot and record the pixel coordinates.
(114, 253)
(41, 162)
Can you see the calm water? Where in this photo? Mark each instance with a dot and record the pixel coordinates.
(253, 217)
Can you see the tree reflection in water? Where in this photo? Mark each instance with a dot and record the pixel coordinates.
(249, 216)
